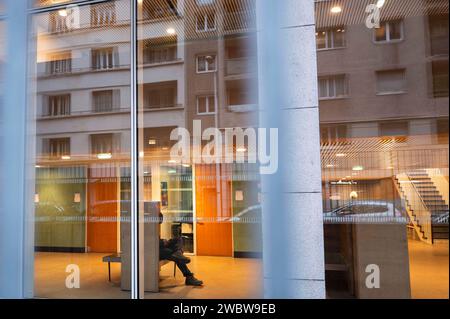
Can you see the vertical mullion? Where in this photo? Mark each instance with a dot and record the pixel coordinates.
(134, 223)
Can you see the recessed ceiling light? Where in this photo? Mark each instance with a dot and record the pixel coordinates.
(170, 31)
(152, 141)
(336, 9)
(62, 12)
(358, 168)
(380, 3)
(241, 149)
(65, 157)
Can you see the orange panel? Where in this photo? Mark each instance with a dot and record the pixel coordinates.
(214, 236)
(102, 199)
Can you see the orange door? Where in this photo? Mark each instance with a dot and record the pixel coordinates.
(102, 214)
(214, 230)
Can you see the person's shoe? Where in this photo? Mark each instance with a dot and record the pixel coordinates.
(181, 257)
(192, 281)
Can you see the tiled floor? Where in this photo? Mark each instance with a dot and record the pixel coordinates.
(223, 277)
(429, 269)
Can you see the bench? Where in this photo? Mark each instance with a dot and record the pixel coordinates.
(117, 258)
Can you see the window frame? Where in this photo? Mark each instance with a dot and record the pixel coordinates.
(207, 65)
(328, 32)
(388, 34)
(205, 16)
(206, 97)
(382, 93)
(333, 77)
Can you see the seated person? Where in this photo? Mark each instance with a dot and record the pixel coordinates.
(172, 250)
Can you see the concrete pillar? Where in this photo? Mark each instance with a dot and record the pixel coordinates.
(293, 250)
(16, 238)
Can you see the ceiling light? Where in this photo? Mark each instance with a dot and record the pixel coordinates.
(141, 154)
(152, 141)
(186, 165)
(241, 149)
(104, 156)
(380, 3)
(341, 155)
(336, 9)
(172, 171)
(65, 157)
(358, 168)
(330, 165)
(170, 31)
(171, 161)
(62, 12)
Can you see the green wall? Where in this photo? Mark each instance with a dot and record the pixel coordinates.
(60, 222)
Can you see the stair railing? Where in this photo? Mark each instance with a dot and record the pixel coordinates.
(418, 214)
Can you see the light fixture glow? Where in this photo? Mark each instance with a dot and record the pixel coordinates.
(358, 168)
(336, 9)
(330, 165)
(171, 161)
(103, 156)
(380, 3)
(241, 149)
(62, 12)
(170, 31)
(152, 141)
(172, 171)
(36, 198)
(341, 155)
(65, 157)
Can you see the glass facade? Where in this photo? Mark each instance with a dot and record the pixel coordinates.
(145, 127)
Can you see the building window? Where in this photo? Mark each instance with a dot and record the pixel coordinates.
(58, 105)
(153, 10)
(103, 59)
(438, 34)
(206, 22)
(57, 22)
(389, 31)
(105, 101)
(330, 39)
(59, 63)
(160, 95)
(391, 82)
(102, 145)
(440, 78)
(332, 87)
(160, 50)
(206, 63)
(206, 105)
(57, 148)
(333, 133)
(442, 131)
(398, 131)
(103, 14)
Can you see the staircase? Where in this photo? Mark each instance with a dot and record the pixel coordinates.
(433, 201)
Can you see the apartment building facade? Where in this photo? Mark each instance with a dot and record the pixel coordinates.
(382, 105)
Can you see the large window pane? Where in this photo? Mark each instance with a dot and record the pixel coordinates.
(80, 73)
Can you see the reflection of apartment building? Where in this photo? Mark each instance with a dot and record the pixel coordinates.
(196, 61)
(383, 101)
